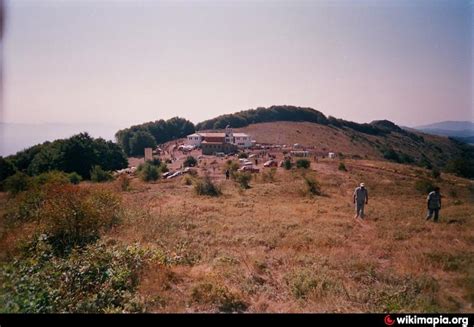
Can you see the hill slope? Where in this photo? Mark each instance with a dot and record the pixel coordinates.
(420, 148)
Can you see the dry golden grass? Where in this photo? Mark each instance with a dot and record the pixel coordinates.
(274, 248)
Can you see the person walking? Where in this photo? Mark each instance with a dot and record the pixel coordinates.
(360, 199)
(433, 202)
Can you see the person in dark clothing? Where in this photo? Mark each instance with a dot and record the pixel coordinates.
(360, 199)
(433, 202)
(227, 174)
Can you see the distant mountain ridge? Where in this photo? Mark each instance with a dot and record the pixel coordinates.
(463, 130)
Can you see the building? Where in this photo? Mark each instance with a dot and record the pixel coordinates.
(240, 140)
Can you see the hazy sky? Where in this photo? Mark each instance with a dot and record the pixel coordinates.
(126, 62)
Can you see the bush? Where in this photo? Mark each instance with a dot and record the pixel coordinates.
(205, 186)
(243, 178)
(435, 173)
(233, 166)
(342, 167)
(269, 175)
(74, 178)
(190, 161)
(219, 296)
(19, 182)
(424, 186)
(312, 186)
(243, 155)
(149, 172)
(188, 180)
(95, 279)
(287, 164)
(73, 216)
(303, 163)
(98, 175)
(51, 177)
(7, 169)
(124, 182)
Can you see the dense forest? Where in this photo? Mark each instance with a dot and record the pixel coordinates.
(79, 154)
(135, 139)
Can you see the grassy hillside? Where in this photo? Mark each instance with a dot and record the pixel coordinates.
(275, 248)
(434, 149)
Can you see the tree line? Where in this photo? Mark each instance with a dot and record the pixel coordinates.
(135, 139)
(79, 154)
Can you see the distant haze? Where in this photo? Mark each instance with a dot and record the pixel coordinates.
(118, 63)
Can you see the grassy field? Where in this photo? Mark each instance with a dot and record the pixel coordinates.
(276, 248)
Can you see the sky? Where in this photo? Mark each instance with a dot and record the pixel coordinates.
(120, 63)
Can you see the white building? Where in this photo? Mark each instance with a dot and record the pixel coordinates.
(241, 140)
(194, 139)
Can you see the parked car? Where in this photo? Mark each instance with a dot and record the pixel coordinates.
(251, 169)
(176, 174)
(270, 163)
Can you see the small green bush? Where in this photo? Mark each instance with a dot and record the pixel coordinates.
(149, 172)
(219, 296)
(342, 167)
(190, 161)
(435, 173)
(269, 175)
(51, 177)
(98, 175)
(74, 178)
(287, 164)
(205, 186)
(16, 183)
(243, 155)
(303, 163)
(312, 186)
(243, 178)
(95, 279)
(73, 216)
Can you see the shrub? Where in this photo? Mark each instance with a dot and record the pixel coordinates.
(163, 168)
(73, 216)
(17, 183)
(243, 155)
(205, 186)
(124, 182)
(188, 180)
(233, 166)
(155, 161)
(303, 163)
(219, 296)
(312, 186)
(424, 186)
(98, 175)
(342, 167)
(51, 177)
(7, 168)
(269, 175)
(190, 161)
(149, 172)
(243, 178)
(287, 164)
(95, 279)
(435, 173)
(74, 178)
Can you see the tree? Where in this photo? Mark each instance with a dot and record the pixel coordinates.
(139, 141)
(190, 161)
(7, 168)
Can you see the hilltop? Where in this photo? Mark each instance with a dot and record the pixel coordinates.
(380, 139)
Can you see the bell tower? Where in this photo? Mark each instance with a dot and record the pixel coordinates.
(229, 135)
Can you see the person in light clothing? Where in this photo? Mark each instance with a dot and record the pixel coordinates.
(360, 199)
(434, 204)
